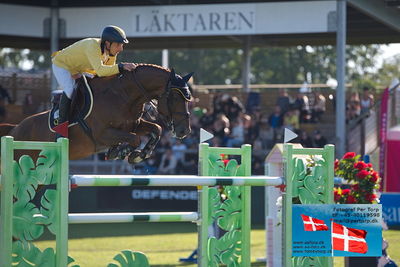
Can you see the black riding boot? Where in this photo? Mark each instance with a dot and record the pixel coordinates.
(63, 118)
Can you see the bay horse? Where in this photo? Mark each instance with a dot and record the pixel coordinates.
(116, 120)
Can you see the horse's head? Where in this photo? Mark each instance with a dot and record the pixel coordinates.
(173, 105)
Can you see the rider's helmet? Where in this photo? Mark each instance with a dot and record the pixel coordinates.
(114, 34)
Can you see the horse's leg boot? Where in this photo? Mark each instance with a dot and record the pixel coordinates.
(119, 151)
(136, 157)
(63, 120)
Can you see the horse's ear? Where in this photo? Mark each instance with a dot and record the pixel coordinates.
(172, 72)
(187, 77)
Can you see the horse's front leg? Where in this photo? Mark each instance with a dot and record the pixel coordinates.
(120, 143)
(154, 132)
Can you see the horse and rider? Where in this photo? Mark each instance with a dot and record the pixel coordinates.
(119, 93)
(90, 55)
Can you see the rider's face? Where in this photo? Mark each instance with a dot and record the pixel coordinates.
(115, 48)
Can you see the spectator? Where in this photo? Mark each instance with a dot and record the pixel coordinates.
(4, 96)
(236, 138)
(28, 107)
(319, 107)
(302, 104)
(353, 108)
(168, 163)
(207, 119)
(265, 133)
(179, 149)
(150, 165)
(367, 101)
(221, 128)
(217, 103)
(305, 140)
(165, 141)
(291, 120)
(275, 122)
(283, 101)
(251, 128)
(319, 139)
(234, 108)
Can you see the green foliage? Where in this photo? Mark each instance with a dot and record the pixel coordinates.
(129, 258)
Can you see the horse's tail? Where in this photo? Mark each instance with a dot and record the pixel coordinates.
(5, 128)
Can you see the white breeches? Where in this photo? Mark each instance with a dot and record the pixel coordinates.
(64, 80)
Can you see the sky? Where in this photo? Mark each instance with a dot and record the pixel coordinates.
(389, 51)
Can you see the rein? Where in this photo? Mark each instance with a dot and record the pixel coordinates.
(166, 93)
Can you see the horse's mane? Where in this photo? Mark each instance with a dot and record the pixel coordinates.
(139, 65)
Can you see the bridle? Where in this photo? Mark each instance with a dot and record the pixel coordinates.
(167, 119)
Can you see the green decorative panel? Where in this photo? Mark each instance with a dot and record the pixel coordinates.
(25, 254)
(226, 250)
(129, 258)
(225, 210)
(310, 261)
(309, 182)
(31, 192)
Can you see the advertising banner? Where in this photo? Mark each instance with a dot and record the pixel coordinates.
(337, 230)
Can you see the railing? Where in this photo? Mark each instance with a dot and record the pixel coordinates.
(363, 132)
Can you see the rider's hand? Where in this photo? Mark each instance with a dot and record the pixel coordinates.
(129, 66)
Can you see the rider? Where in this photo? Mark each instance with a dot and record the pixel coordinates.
(90, 55)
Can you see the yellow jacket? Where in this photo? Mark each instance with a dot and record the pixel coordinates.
(85, 56)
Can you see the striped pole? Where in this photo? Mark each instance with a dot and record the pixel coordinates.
(178, 180)
(127, 217)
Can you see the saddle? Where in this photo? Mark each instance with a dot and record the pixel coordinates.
(81, 106)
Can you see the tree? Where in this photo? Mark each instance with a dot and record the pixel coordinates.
(295, 64)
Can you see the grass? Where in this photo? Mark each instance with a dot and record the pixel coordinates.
(163, 243)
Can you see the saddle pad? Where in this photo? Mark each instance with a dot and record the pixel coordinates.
(84, 112)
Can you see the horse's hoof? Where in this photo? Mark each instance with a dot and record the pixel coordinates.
(112, 153)
(135, 157)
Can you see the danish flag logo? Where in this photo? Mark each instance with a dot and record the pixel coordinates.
(313, 224)
(349, 239)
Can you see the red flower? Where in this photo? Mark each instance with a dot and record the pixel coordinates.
(337, 196)
(374, 179)
(355, 187)
(225, 161)
(374, 176)
(350, 199)
(336, 164)
(362, 174)
(370, 197)
(369, 165)
(349, 155)
(360, 165)
(345, 191)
